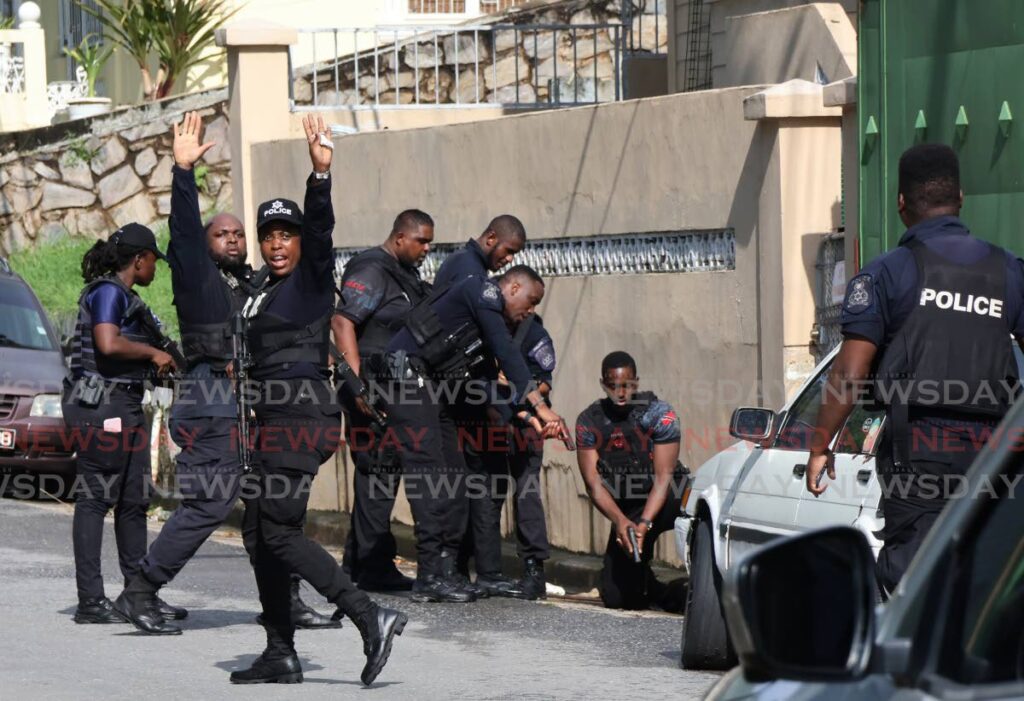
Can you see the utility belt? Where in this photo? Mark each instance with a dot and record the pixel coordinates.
(444, 357)
(89, 391)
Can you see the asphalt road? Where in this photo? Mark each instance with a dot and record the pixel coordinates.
(494, 649)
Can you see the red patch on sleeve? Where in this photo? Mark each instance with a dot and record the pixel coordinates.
(668, 419)
(355, 285)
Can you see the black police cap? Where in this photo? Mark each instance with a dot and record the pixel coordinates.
(278, 210)
(137, 236)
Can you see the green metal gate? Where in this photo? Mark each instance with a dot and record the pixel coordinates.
(946, 71)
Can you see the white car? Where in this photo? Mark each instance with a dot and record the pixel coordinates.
(755, 492)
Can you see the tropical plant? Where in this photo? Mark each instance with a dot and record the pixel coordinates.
(6, 23)
(176, 31)
(91, 56)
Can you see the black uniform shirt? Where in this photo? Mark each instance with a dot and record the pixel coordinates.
(307, 294)
(369, 291)
(468, 261)
(539, 351)
(199, 298)
(476, 301)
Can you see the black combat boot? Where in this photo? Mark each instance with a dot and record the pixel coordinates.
(99, 610)
(138, 603)
(306, 617)
(378, 626)
(171, 613)
(533, 584)
(459, 580)
(277, 665)
(431, 588)
(388, 580)
(495, 583)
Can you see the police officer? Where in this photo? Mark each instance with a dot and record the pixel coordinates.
(211, 282)
(298, 420)
(496, 247)
(933, 314)
(431, 359)
(628, 455)
(379, 288)
(112, 356)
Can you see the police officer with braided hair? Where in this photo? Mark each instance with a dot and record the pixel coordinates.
(931, 319)
(113, 354)
(628, 456)
(298, 420)
(379, 288)
(211, 282)
(431, 361)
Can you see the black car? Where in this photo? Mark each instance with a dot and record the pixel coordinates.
(34, 450)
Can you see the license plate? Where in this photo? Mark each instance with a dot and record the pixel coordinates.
(7, 436)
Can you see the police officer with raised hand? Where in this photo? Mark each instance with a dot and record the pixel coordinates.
(379, 288)
(211, 282)
(931, 319)
(298, 419)
(431, 359)
(113, 353)
(628, 456)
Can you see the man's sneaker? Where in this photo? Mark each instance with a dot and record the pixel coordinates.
(436, 589)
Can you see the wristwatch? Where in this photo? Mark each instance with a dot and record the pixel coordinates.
(322, 176)
(645, 522)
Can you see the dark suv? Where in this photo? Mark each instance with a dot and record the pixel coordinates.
(33, 445)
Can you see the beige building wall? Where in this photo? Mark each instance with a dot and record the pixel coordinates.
(706, 342)
(754, 52)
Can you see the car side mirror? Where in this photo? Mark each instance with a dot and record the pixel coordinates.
(752, 424)
(802, 608)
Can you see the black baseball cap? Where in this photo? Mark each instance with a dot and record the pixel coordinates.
(278, 209)
(137, 236)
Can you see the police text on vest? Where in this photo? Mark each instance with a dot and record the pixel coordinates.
(982, 306)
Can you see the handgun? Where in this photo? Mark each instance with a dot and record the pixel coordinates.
(633, 543)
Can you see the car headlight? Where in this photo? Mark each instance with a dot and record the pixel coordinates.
(46, 405)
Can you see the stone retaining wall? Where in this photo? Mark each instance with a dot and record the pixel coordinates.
(87, 178)
(515, 66)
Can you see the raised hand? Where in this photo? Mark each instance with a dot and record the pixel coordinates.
(188, 148)
(319, 139)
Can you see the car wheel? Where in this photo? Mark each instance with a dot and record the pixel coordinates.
(705, 641)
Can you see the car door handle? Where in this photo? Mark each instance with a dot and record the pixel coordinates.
(863, 476)
(799, 470)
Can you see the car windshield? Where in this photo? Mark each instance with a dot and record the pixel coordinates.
(22, 323)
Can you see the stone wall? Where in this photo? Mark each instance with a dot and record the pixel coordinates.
(88, 177)
(503, 65)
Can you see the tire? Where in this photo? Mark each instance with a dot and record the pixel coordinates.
(705, 642)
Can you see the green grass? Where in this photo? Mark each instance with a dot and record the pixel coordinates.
(55, 273)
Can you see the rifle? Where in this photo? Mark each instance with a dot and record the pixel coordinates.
(240, 363)
(156, 333)
(347, 376)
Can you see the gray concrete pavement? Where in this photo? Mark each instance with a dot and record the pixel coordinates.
(495, 649)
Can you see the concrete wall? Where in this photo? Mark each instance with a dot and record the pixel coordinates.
(765, 55)
(679, 162)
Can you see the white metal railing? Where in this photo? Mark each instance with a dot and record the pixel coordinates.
(521, 65)
(645, 23)
(12, 72)
(467, 8)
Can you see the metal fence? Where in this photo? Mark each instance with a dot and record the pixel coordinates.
(621, 254)
(646, 26)
(512, 65)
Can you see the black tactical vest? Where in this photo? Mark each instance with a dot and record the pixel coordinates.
(953, 351)
(445, 355)
(278, 343)
(375, 334)
(624, 448)
(86, 358)
(211, 343)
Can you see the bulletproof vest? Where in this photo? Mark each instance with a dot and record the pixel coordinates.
(86, 358)
(211, 343)
(624, 448)
(445, 355)
(277, 342)
(953, 351)
(375, 333)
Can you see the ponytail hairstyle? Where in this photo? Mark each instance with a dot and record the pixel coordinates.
(106, 258)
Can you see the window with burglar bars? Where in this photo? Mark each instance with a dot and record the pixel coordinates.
(75, 25)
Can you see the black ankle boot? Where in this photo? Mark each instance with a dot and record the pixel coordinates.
(138, 603)
(306, 617)
(278, 664)
(283, 670)
(533, 584)
(378, 626)
(99, 610)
